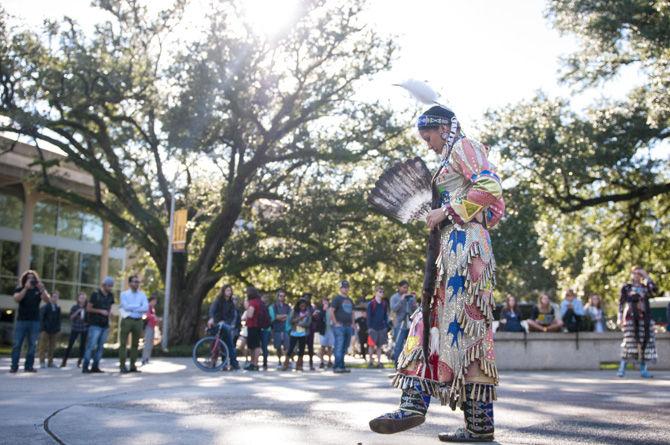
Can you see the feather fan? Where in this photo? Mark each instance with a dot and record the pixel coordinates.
(403, 192)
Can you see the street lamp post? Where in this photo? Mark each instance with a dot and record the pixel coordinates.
(168, 273)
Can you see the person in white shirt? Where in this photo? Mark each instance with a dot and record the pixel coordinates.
(134, 305)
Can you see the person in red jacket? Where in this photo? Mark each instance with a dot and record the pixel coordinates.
(150, 329)
(251, 317)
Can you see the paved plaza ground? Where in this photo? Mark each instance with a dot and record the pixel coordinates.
(171, 402)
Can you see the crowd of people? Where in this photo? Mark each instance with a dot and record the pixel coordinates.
(365, 327)
(372, 329)
(89, 323)
(571, 315)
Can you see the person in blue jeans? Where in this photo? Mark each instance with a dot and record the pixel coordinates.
(342, 314)
(403, 305)
(223, 313)
(99, 311)
(266, 334)
(279, 313)
(403, 289)
(28, 295)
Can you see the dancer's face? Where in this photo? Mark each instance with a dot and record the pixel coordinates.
(433, 137)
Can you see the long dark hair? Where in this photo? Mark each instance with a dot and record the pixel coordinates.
(24, 276)
(252, 293)
(222, 292)
(296, 307)
(507, 306)
(600, 301)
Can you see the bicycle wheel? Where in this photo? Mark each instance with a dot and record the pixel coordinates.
(210, 354)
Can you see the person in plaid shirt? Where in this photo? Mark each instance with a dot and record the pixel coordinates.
(78, 328)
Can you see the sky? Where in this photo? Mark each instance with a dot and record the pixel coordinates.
(479, 54)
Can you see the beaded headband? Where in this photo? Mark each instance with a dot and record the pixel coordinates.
(429, 120)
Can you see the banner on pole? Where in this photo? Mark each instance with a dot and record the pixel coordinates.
(179, 231)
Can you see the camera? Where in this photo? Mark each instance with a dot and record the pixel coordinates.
(33, 281)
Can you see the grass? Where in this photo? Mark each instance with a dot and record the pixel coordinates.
(613, 366)
(387, 365)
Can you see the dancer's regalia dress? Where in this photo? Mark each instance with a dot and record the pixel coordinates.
(461, 357)
(457, 363)
(639, 339)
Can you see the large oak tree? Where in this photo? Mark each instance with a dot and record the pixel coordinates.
(251, 115)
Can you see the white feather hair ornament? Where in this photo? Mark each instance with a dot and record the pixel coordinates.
(422, 92)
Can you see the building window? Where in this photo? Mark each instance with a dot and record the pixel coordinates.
(45, 218)
(42, 261)
(52, 218)
(12, 211)
(90, 269)
(88, 290)
(70, 223)
(9, 258)
(65, 290)
(92, 228)
(67, 266)
(9, 265)
(66, 271)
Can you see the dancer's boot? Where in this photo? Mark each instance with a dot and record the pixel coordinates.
(412, 413)
(644, 372)
(478, 424)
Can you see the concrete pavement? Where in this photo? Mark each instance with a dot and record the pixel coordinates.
(172, 402)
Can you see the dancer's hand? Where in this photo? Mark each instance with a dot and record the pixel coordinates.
(435, 217)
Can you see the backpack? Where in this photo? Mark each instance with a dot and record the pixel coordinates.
(320, 323)
(373, 305)
(263, 316)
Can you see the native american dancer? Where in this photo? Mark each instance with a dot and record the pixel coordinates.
(639, 339)
(460, 368)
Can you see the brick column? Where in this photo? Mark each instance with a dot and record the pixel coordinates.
(30, 199)
(104, 257)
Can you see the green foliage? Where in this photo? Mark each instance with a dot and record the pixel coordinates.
(616, 34)
(592, 182)
(520, 264)
(253, 123)
(324, 234)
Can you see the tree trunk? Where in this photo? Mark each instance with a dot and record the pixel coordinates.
(186, 321)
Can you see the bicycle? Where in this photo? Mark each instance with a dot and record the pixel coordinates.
(210, 353)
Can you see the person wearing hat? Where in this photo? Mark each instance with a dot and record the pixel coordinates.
(342, 314)
(99, 311)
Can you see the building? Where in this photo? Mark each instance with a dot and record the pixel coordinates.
(70, 249)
